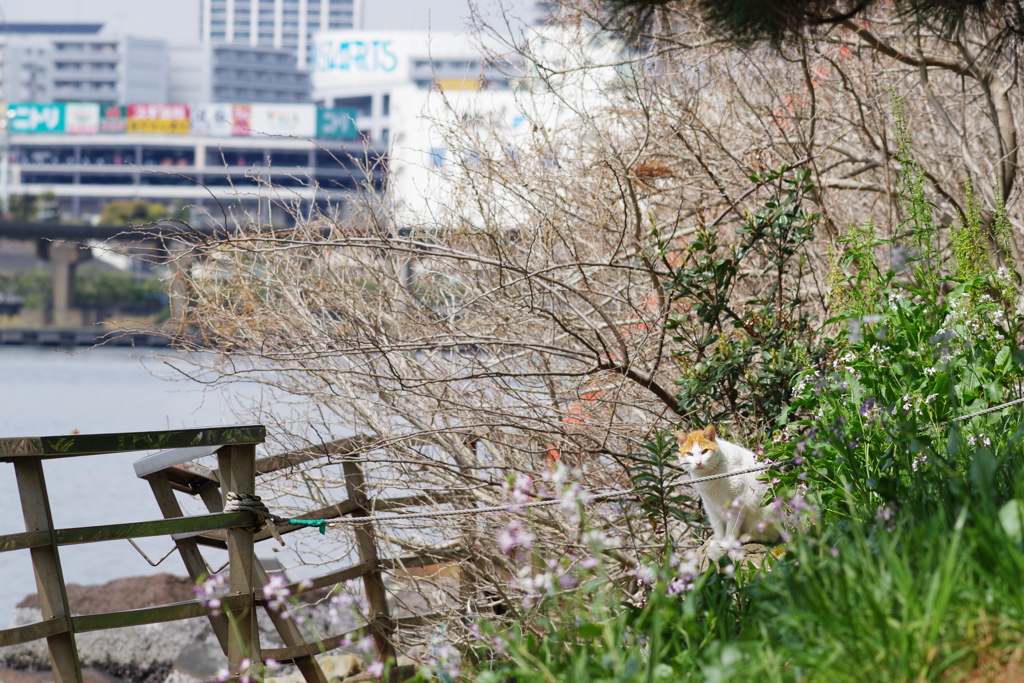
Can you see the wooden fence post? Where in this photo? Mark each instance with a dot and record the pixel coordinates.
(53, 598)
(286, 628)
(188, 548)
(237, 468)
(381, 624)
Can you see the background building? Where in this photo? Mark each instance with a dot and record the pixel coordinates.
(73, 62)
(283, 24)
(236, 73)
(212, 156)
(363, 70)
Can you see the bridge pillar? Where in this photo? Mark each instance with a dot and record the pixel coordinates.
(64, 256)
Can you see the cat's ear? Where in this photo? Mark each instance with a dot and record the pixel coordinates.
(680, 436)
(709, 432)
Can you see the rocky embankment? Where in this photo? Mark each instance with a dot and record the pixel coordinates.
(173, 652)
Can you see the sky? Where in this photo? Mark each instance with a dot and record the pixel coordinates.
(177, 21)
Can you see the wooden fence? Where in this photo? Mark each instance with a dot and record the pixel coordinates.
(171, 470)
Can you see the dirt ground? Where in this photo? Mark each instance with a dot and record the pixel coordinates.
(123, 594)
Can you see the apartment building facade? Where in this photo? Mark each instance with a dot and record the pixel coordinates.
(75, 62)
(282, 24)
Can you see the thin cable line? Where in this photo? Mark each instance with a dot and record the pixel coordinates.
(588, 497)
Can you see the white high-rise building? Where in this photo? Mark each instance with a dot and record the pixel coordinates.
(288, 24)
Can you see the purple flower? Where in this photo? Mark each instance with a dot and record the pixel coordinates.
(645, 574)
(365, 644)
(276, 593)
(376, 669)
(211, 591)
(519, 491)
(515, 535)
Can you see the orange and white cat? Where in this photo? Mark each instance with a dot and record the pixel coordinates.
(733, 504)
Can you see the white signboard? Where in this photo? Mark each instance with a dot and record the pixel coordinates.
(355, 58)
(81, 118)
(212, 119)
(284, 119)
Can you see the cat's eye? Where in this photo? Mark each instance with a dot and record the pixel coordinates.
(705, 451)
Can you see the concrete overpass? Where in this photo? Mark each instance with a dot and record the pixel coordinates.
(63, 246)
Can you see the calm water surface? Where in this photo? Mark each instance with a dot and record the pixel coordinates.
(45, 392)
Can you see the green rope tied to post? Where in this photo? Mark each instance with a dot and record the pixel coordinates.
(319, 523)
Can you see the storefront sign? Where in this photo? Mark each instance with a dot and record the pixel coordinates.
(114, 119)
(167, 119)
(35, 118)
(298, 120)
(337, 124)
(211, 119)
(81, 118)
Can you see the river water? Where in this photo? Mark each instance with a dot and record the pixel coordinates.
(45, 392)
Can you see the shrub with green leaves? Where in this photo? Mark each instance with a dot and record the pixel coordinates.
(905, 546)
(742, 337)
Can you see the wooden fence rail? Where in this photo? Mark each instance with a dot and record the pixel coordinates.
(169, 470)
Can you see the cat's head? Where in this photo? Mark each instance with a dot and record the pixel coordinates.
(697, 449)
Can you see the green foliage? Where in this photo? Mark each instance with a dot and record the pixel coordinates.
(748, 21)
(33, 284)
(132, 212)
(657, 483)
(93, 287)
(920, 347)
(740, 352)
(96, 287)
(910, 569)
(44, 207)
(968, 241)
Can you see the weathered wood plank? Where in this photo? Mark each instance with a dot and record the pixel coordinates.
(347, 574)
(187, 548)
(289, 631)
(161, 460)
(53, 598)
(29, 632)
(26, 539)
(423, 560)
(366, 542)
(345, 446)
(151, 615)
(12, 449)
(236, 468)
(192, 478)
(162, 527)
(286, 655)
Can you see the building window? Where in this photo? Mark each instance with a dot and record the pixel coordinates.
(216, 34)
